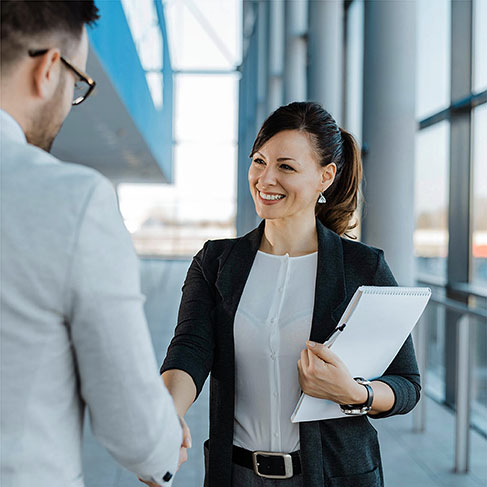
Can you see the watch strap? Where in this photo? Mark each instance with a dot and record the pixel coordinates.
(364, 408)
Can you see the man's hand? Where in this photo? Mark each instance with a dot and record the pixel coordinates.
(322, 374)
(183, 453)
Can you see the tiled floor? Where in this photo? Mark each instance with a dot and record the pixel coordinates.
(410, 459)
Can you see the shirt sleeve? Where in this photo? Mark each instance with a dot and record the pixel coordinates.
(192, 347)
(131, 411)
(402, 375)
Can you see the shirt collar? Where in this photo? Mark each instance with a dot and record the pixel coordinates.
(10, 128)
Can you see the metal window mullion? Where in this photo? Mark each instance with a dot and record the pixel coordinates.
(459, 198)
(459, 194)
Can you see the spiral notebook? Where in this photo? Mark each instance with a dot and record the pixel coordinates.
(378, 322)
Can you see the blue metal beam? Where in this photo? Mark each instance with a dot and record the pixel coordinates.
(112, 41)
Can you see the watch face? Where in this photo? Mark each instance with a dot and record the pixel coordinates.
(359, 411)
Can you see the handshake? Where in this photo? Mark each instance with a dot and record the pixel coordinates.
(183, 451)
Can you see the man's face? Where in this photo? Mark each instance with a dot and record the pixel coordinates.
(48, 119)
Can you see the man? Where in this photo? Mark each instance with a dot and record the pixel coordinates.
(73, 332)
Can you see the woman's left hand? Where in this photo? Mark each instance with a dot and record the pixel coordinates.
(322, 374)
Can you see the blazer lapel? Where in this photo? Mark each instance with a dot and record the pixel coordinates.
(330, 291)
(234, 272)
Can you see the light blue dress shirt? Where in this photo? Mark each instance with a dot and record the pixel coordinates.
(73, 331)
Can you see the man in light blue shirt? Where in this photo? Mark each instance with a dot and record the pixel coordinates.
(73, 332)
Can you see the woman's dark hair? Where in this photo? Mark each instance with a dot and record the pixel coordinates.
(332, 144)
(25, 22)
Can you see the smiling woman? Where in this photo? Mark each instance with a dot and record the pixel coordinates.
(307, 152)
(250, 304)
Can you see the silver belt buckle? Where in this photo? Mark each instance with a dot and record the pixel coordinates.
(288, 464)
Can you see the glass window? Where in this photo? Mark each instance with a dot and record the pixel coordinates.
(146, 33)
(177, 219)
(433, 61)
(431, 200)
(479, 197)
(204, 35)
(479, 45)
(434, 319)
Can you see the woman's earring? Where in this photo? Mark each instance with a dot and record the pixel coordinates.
(322, 198)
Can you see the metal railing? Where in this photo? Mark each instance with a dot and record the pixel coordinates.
(463, 384)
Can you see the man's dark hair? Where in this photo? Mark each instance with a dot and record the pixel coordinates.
(24, 24)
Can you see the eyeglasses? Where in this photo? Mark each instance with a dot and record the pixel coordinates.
(84, 85)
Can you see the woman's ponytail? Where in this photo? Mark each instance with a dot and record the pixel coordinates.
(342, 195)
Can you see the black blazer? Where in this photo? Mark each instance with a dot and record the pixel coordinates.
(338, 452)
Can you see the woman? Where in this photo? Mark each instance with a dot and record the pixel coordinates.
(249, 305)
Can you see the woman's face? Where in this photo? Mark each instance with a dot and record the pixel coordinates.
(285, 177)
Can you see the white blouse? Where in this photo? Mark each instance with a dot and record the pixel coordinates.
(272, 324)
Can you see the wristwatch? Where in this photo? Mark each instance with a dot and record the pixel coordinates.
(360, 409)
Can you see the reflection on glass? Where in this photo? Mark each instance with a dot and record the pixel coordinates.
(433, 61)
(431, 200)
(479, 202)
(479, 45)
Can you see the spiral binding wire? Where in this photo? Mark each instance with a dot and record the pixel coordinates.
(396, 291)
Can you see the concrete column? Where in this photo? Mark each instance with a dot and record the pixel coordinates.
(262, 60)
(295, 57)
(275, 28)
(326, 53)
(389, 132)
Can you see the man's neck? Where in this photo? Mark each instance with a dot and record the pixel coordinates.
(13, 111)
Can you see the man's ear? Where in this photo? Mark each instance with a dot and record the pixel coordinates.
(45, 74)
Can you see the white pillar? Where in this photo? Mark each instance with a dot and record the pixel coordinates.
(275, 92)
(389, 132)
(295, 58)
(262, 61)
(325, 48)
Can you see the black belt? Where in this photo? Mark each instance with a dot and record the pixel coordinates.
(268, 464)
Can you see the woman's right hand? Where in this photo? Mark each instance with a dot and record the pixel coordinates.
(186, 443)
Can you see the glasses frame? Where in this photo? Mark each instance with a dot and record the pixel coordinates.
(82, 75)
